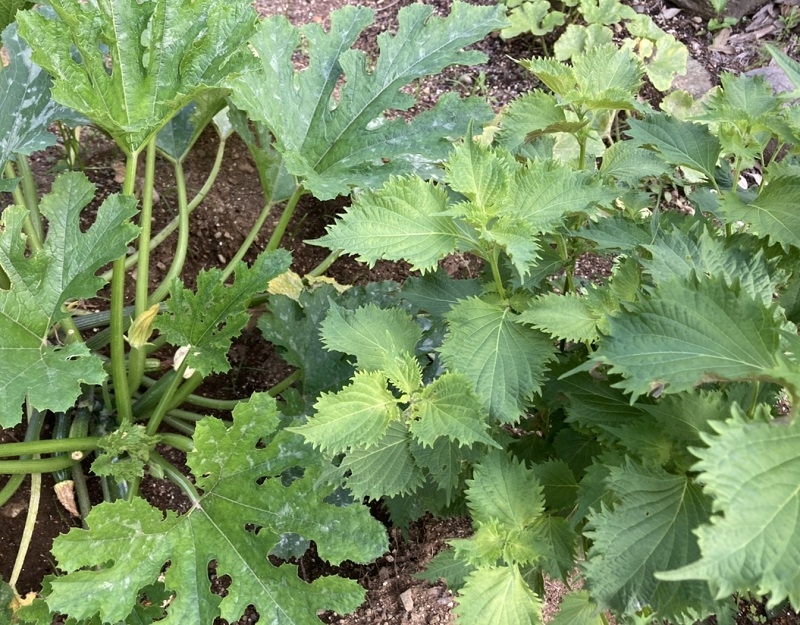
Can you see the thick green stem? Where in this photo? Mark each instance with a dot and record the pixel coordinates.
(183, 238)
(32, 432)
(27, 534)
(165, 400)
(117, 327)
(34, 238)
(162, 236)
(248, 241)
(81, 491)
(176, 477)
(137, 354)
(31, 194)
(45, 465)
(177, 424)
(494, 263)
(177, 441)
(325, 264)
(286, 217)
(55, 445)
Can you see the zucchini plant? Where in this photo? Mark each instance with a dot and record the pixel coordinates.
(152, 75)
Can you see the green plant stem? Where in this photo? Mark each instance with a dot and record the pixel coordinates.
(494, 263)
(34, 240)
(31, 194)
(248, 241)
(176, 477)
(324, 265)
(286, 217)
(27, 534)
(32, 432)
(55, 445)
(163, 234)
(177, 424)
(183, 238)
(164, 402)
(117, 327)
(177, 441)
(44, 465)
(81, 491)
(136, 355)
(186, 415)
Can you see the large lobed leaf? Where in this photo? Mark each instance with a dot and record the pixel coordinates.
(337, 143)
(64, 269)
(127, 544)
(160, 55)
(751, 471)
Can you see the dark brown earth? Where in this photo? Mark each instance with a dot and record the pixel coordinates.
(221, 223)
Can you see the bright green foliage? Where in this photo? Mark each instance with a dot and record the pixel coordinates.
(498, 595)
(772, 213)
(402, 221)
(8, 13)
(691, 333)
(446, 566)
(752, 545)
(577, 608)
(137, 541)
(208, 319)
(532, 16)
(678, 142)
(26, 109)
(648, 529)
(50, 376)
(160, 54)
(503, 358)
(333, 148)
(371, 334)
(570, 317)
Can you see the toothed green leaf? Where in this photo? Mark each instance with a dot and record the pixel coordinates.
(569, 317)
(753, 545)
(649, 529)
(50, 376)
(498, 595)
(356, 416)
(449, 408)
(577, 608)
(127, 544)
(533, 16)
(504, 359)
(401, 221)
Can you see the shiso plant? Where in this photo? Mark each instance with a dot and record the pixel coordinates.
(600, 424)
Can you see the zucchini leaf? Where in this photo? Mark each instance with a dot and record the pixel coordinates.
(30, 365)
(244, 474)
(129, 66)
(335, 143)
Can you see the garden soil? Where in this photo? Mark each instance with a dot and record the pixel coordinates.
(220, 224)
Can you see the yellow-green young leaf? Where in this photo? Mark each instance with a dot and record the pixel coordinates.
(544, 193)
(504, 359)
(577, 39)
(577, 608)
(689, 333)
(772, 213)
(356, 416)
(238, 470)
(753, 545)
(138, 63)
(50, 376)
(125, 452)
(605, 12)
(498, 595)
(401, 221)
(449, 408)
(568, 317)
(210, 318)
(336, 142)
(385, 468)
(608, 77)
(532, 16)
(481, 174)
(558, 77)
(649, 529)
(371, 334)
(668, 62)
